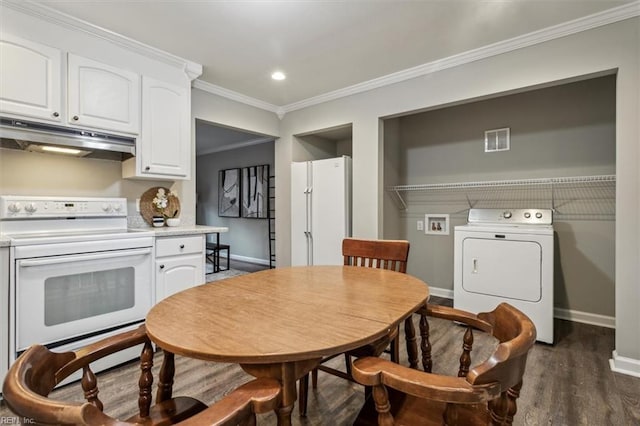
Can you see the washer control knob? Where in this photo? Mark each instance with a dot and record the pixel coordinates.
(31, 208)
(117, 207)
(14, 207)
(539, 215)
(506, 215)
(106, 207)
(527, 215)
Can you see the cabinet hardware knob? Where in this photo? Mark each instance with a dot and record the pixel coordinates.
(76, 118)
(147, 168)
(161, 266)
(56, 114)
(181, 246)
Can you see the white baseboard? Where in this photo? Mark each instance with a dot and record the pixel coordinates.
(565, 314)
(441, 292)
(250, 259)
(585, 317)
(624, 365)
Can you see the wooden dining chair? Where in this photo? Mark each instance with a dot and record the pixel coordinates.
(38, 371)
(381, 254)
(483, 395)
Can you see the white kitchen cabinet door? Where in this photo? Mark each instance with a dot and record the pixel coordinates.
(103, 96)
(165, 144)
(30, 79)
(174, 274)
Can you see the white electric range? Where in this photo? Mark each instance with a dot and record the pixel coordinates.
(76, 273)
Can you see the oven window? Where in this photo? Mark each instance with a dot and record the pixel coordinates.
(73, 297)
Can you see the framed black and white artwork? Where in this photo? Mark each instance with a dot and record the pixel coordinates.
(255, 191)
(229, 193)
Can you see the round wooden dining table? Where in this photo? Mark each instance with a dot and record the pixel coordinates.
(281, 322)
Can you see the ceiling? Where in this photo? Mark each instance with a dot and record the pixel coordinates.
(212, 138)
(321, 45)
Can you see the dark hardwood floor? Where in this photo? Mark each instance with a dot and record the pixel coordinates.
(569, 383)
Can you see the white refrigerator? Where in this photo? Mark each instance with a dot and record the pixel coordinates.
(320, 210)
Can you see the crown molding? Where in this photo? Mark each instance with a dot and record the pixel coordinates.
(599, 19)
(595, 20)
(191, 69)
(234, 146)
(235, 96)
(194, 70)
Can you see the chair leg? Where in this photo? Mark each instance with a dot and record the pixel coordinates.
(395, 351)
(410, 340)
(303, 392)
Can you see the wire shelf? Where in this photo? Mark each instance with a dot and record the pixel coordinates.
(576, 197)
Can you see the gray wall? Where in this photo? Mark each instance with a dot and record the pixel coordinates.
(248, 238)
(312, 147)
(568, 130)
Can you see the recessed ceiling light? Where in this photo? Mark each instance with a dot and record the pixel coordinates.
(278, 75)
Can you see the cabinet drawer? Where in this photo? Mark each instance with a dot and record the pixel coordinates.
(171, 246)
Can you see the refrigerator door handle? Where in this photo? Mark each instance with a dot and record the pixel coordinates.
(309, 226)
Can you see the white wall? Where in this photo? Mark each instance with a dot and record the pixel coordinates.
(614, 46)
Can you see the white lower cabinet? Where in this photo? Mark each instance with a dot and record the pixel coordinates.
(179, 264)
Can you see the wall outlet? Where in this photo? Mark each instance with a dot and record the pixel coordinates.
(138, 205)
(420, 225)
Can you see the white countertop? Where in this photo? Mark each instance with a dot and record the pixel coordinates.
(166, 231)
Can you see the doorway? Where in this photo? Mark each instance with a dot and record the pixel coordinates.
(251, 238)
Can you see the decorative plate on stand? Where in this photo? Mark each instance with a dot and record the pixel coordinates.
(148, 209)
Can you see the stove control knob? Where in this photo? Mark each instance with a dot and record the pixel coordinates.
(527, 215)
(31, 208)
(506, 215)
(117, 207)
(539, 215)
(14, 207)
(106, 207)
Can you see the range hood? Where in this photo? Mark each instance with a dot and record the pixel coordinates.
(38, 137)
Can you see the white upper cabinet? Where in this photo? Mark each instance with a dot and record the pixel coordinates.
(50, 85)
(103, 96)
(164, 147)
(30, 79)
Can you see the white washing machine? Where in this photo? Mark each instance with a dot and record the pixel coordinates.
(506, 256)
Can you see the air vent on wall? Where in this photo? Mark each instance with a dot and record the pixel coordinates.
(497, 140)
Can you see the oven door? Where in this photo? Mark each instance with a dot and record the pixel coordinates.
(61, 298)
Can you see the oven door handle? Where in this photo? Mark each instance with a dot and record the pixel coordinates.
(83, 257)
